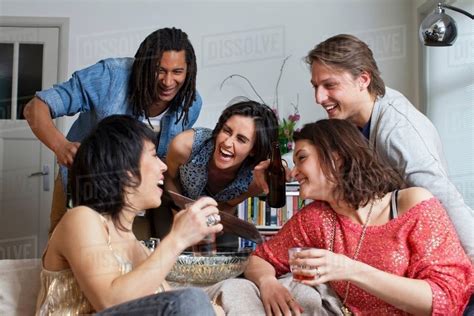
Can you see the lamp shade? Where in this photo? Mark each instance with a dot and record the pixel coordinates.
(438, 29)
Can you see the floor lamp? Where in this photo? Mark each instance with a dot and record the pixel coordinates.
(438, 28)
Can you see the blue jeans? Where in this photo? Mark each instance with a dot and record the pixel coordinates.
(190, 301)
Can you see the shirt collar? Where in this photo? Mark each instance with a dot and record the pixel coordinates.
(365, 130)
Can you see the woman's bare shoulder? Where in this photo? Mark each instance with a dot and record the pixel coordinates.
(186, 137)
(81, 222)
(409, 197)
(80, 228)
(181, 146)
(80, 213)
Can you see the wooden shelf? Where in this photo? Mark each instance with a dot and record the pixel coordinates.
(266, 219)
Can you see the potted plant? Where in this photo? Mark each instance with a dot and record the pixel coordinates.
(286, 126)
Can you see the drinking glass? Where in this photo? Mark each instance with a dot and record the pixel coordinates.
(297, 276)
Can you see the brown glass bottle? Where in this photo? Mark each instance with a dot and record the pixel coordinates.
(276, 179)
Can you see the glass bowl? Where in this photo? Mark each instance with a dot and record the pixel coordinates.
(191, 268)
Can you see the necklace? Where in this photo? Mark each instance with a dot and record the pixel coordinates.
(345, 310)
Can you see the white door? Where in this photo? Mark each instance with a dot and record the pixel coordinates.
(28, 63)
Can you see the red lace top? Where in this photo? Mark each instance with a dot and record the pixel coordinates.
(419, 244)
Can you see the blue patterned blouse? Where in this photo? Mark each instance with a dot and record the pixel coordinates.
(193, 174)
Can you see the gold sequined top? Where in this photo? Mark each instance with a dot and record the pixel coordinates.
(60, 293)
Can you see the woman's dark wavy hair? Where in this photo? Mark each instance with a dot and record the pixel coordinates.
(266, 127)
(143, 82)
(107, 163)
(348, 162)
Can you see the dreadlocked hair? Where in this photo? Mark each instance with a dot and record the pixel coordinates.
(143, 82)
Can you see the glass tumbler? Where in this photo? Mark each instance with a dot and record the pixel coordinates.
(297, 276)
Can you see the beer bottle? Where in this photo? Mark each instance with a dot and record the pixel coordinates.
(276, 179)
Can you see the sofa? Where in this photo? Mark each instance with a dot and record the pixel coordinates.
(19, 286)
(20, 279)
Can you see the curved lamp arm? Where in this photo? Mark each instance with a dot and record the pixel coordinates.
(447, 6)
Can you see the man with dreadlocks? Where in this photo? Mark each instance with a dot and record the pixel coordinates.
(158, 87)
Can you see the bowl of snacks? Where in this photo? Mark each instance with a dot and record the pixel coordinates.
(208, 269)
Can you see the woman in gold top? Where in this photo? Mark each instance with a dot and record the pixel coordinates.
(93, 260)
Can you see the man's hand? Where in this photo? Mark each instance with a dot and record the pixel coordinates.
(38, 116)
(66, 153)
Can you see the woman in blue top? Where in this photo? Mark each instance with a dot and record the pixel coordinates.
(219, 163)
(158, 86)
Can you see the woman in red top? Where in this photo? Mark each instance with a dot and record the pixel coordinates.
(382, 250)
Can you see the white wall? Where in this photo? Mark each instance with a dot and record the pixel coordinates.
(269, 29)
(449, 75)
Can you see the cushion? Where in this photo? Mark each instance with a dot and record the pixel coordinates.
(19, 286)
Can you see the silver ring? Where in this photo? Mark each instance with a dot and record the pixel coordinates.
(317, 272)
(212, 220)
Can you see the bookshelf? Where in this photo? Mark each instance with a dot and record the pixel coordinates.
(269, 220)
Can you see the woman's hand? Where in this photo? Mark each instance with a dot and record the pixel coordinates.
(277, 300)
(259, 175)
(190, 225)
(259, 178)
(324, 266)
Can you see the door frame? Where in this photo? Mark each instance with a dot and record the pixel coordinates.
(63, 48)
(60, 59)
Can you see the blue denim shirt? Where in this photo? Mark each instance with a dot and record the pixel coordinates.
(101, 90)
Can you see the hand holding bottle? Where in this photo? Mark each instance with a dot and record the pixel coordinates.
(259, 175)
(276, 179)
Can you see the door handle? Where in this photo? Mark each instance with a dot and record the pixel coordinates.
(45, 175)
(39, 173)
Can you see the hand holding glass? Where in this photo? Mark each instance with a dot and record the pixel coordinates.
(294, 268)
